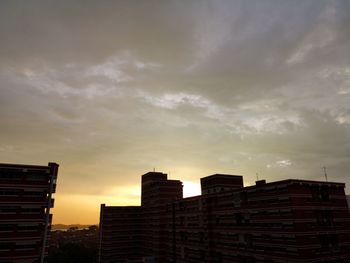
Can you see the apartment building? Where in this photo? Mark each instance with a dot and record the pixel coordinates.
(284, 221)
(25, 219)
(132, 233)
(120, 233)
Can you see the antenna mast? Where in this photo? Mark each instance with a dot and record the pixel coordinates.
(325, 173)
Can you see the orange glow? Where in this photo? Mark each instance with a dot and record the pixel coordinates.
(85, 209)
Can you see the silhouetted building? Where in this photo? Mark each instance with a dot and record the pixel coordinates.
(25, 219)
(120, 233)
(157, 191)
(220, 182)
(284, 221)
(130, 233)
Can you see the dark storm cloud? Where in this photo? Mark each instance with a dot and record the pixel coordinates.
(115, 88)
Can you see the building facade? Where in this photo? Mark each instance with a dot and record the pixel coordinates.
(132, 233)
(25, 219)
(120, 233)
(284, 221)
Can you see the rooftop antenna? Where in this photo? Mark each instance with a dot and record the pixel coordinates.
(325, 173)
(257, 176)
(154, 169)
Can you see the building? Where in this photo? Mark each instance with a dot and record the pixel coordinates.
(157, 191)
(284, 221)
(120, 233)
(129, 233)
(25, 219)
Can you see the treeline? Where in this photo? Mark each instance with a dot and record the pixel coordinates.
(72, 253)
(74, 246)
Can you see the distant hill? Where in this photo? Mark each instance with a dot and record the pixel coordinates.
(66, 227)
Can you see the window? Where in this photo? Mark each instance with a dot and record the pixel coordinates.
(6, 246)
(36, 177)
(32, 210)
(29, 227)
(10, 176)
(10, 192)
(6, 228)
(320, 193)
(238, 218)
(8, 209)
(34, 193)
(329, 241)
(325, 193)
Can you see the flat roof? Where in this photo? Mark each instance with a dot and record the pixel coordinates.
(221, 175)
(286, 181)
(15, 165)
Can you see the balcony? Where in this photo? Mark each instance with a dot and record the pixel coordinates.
(22, 217)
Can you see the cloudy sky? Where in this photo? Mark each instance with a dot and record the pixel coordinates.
(112, 89)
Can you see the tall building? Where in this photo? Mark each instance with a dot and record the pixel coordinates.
(25, 219)
(132, 233)
(157, 191)
(284, 221)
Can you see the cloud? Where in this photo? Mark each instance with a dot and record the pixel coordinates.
(113, 89)
(281, 163)
(110, 70)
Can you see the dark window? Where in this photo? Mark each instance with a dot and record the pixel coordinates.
(26, 246)
(244, 197)
(334, 240)
(10, 176)
(238, 218)
(36, 177)
(320, 193)
(202, 255)
(218, 257)
(34, 194)
(6, 228)
(248, 240)
(246, 259)
(32, 210)
(6, 246)
(324, 240)
(315, 192)
(10, 192)
(8, 209)
(28, 227)
(324, 193)
(201, 236)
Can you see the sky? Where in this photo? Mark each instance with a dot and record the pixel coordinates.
(113, 89)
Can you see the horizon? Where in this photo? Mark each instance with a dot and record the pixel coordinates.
(111, 90)
(188, 194)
